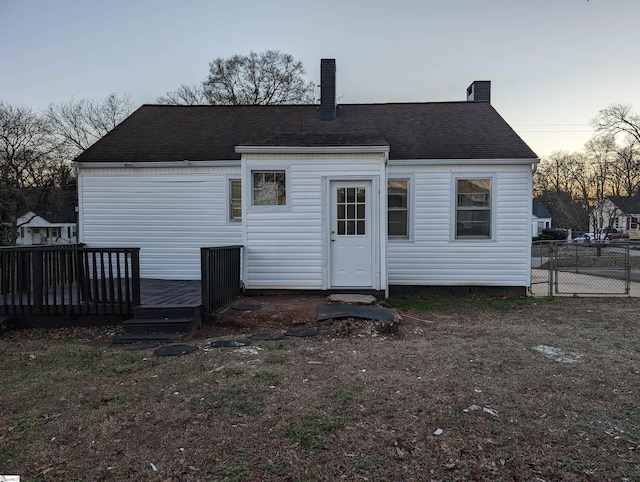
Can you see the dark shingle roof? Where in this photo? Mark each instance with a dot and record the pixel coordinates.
(540, 210)
(446, 130)
(627, 204)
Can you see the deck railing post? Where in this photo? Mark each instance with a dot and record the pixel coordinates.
(68, 279)
(220, 275)
(38, 279)
(24, 278)
(135, 276)
(204, 278)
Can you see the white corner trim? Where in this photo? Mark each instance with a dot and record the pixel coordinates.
(468, 162)
(152, 164)
(309, 150)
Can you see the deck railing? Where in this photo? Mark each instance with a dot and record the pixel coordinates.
(69, 279)
(220, 276)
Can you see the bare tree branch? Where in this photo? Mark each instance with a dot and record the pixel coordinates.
(78, 124)
(618, 119)
(184, 95)
(263, 78)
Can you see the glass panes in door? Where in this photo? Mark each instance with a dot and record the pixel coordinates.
(350, 211)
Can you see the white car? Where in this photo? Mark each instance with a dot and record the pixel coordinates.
(585, 238)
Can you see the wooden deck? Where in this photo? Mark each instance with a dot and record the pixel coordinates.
(170, 292)
(78, 280)
(68, 299)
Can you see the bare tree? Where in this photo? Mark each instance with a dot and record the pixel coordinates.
(600, 152)
(625, 168)
(618, 119)
(270, 77)
(80, 123)
(558, 183)
(25, 146)
(184, 95)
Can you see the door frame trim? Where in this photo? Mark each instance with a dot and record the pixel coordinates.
(377, 220)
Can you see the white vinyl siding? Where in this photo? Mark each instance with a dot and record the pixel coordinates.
(286, 248)
(169, 213)
(433, 257)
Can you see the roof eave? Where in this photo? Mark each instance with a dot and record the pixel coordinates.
(310, 149)
(439, 162)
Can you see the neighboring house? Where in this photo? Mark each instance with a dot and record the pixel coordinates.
(621, 213)
(34, 229)
(361, 197)
(541, 218)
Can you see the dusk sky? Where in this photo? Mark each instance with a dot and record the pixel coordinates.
(553, 63)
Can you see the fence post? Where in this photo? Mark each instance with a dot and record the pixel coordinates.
(552, 254)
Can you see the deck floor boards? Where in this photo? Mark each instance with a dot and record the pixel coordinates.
(152, 292)
(170, 292)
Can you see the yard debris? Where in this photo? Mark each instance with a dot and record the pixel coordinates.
(228, 343)
(438, 432)
(417, 319)
(153, 467)
(473, 408)
(557, 355)
(386, 327)
(490, 411)
(245, 350)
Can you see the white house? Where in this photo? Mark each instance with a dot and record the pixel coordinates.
(34, 229)
(616, 214)
(367, 197)
(541, 218)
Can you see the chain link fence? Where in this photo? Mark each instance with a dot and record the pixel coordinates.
(560, 268)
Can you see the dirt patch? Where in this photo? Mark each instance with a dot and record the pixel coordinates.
(462, 395)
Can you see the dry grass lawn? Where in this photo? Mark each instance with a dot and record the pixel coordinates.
(348, 404)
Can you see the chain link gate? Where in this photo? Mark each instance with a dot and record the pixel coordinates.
(559, 268)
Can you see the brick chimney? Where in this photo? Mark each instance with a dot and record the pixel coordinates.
(327, 89)
(479, 91)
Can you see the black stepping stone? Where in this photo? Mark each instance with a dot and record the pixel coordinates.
(142, 345)
(301, 332)
(175, 350)
(265, 336)
(246, 307)
(228, 343)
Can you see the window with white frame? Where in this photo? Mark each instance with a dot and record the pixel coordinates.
(268, 188)
(398, 208)
(473, 208)
(235, 200)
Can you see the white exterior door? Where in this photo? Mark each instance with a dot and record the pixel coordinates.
(351, 236)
